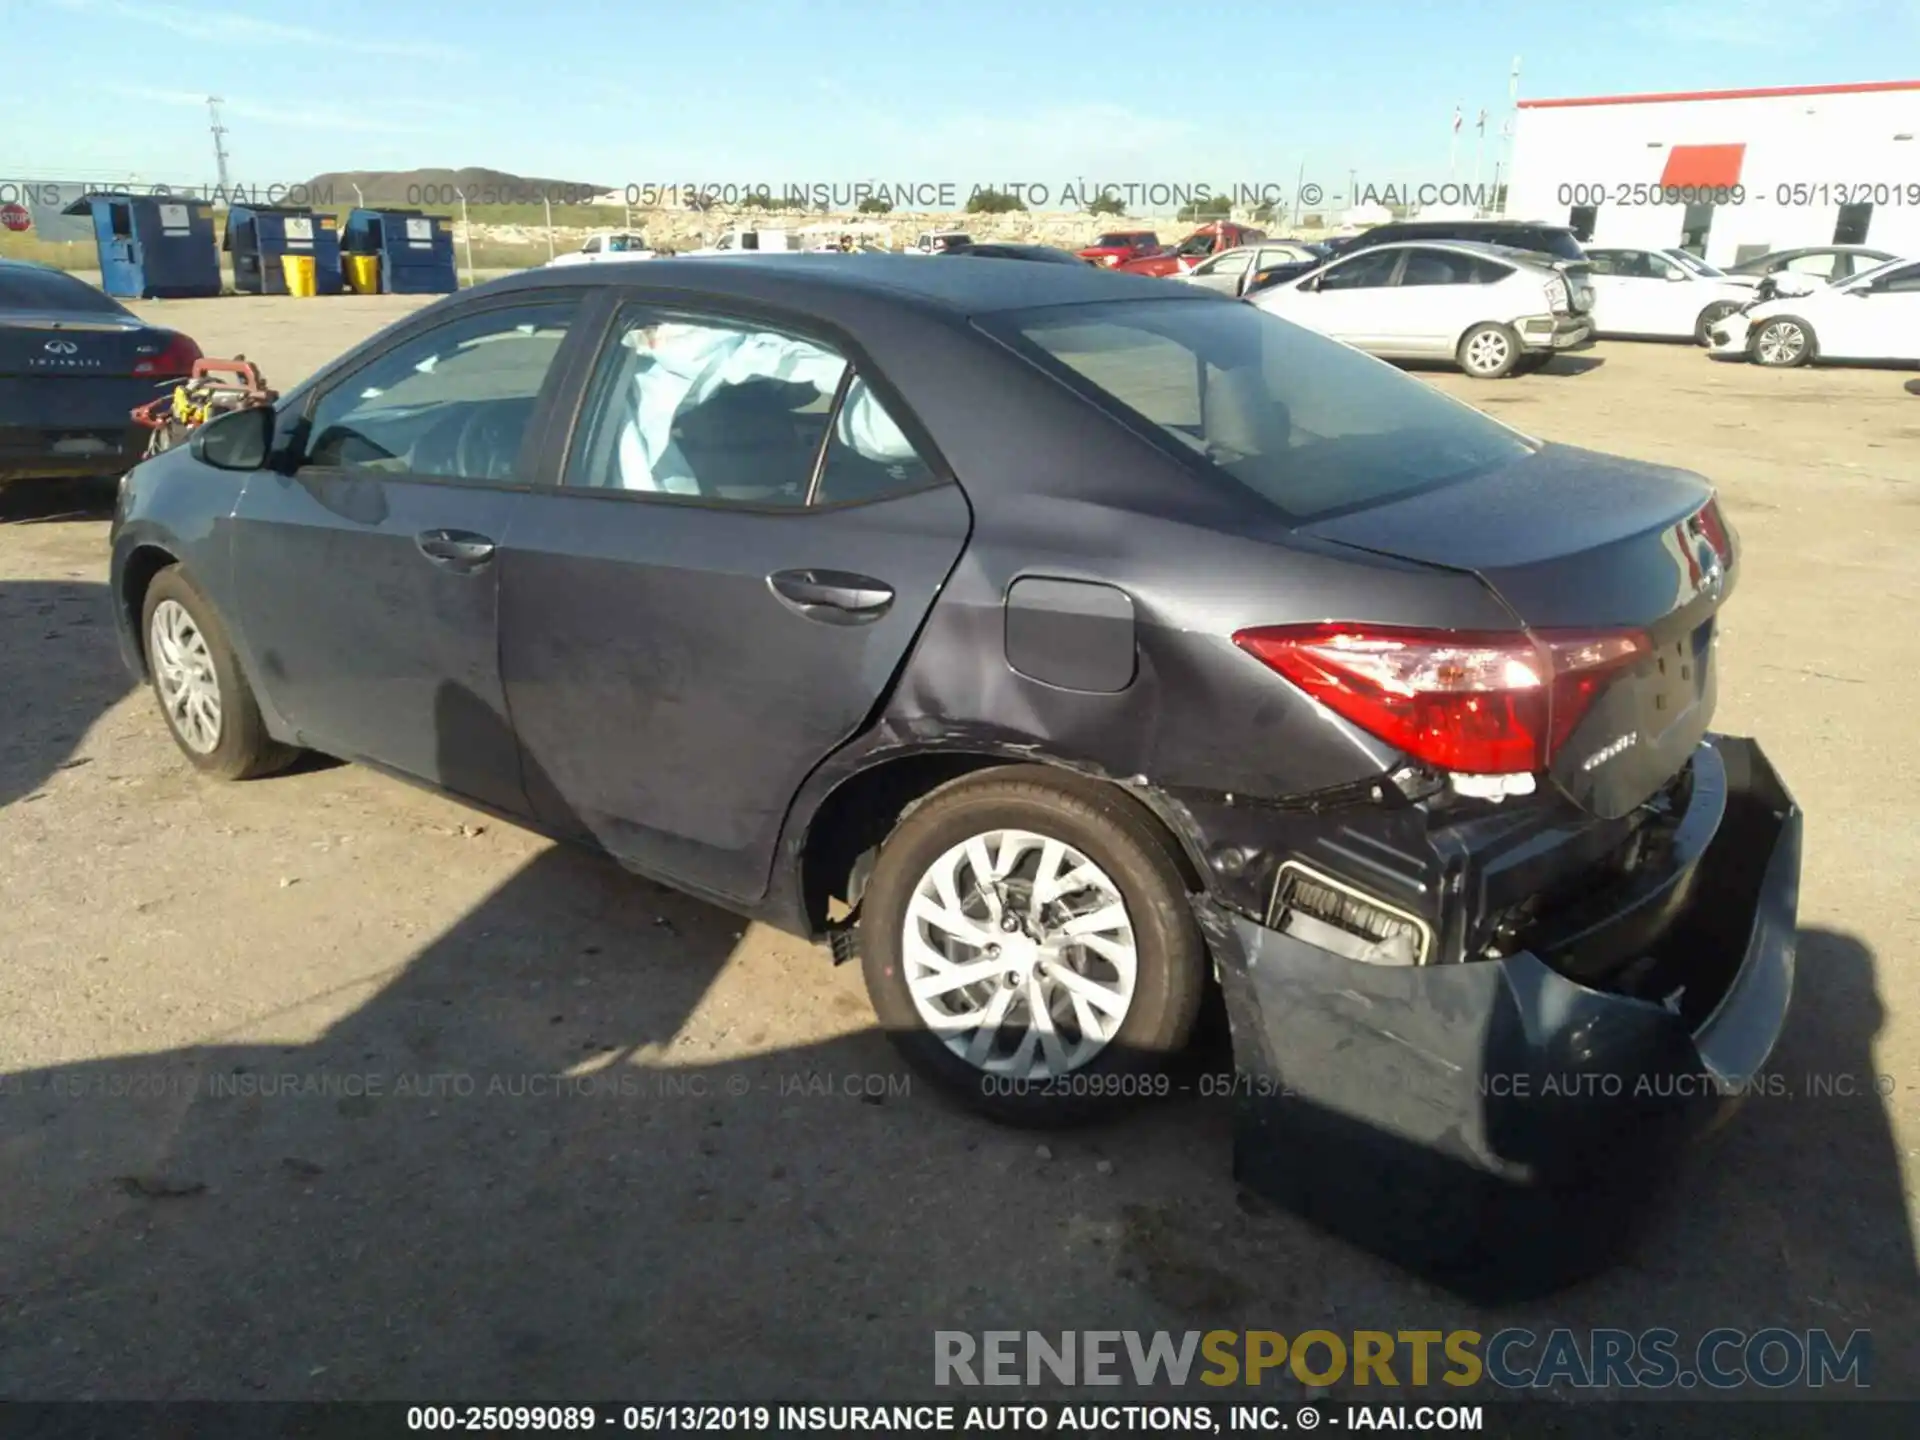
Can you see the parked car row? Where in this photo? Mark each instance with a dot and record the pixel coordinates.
(1501, 297)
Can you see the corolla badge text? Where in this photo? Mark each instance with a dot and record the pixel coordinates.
(1607, 752)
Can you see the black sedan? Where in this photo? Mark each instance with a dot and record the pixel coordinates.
(1064, 645)
(73, 365)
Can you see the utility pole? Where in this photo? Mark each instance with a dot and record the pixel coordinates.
(214, 102)
(1512, 120)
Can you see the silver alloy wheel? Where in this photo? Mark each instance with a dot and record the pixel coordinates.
(1781, 342)
(1487, 351)
(183, 667)
(1019, 954)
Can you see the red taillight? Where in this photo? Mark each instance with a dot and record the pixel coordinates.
(1709, 525)
(176, 358)
(1481, 703)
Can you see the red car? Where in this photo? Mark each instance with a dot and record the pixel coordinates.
(1213, 238)
(1123, 247)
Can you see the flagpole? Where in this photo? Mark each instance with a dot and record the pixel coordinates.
(1453, 147)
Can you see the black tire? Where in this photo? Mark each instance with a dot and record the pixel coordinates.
(243, 750)
(1485, 340)
(1703, 327)
(1107, 829)
(1787, 354)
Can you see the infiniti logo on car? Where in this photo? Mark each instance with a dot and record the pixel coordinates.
(61, 347)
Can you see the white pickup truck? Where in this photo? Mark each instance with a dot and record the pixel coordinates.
(615, 245)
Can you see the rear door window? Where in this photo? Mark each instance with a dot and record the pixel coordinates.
(737, 413)
(1437, 267)
(1363, 272)
(1309, 425)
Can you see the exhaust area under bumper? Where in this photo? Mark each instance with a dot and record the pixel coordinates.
(1494, 1125)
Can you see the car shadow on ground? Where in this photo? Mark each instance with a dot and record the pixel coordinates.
(52, 628)
(1569, 366)
(563, 1153)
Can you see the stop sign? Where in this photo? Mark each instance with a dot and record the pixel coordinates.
(15, 217)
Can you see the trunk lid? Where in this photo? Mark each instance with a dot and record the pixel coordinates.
(1573, 540)
(43, 346)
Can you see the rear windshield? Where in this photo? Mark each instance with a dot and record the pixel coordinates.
(22, 289)
(1306, 423)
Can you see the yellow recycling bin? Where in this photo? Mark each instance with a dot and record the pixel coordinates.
(363, 274)
(299, 273)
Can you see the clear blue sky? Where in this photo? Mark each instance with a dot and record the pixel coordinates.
(970, 91)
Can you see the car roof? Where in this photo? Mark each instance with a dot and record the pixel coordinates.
(1511, 253)
(1412, 225)
(963, 285)
(1825, 250)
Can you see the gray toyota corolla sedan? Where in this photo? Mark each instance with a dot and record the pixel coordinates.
(1070, 647)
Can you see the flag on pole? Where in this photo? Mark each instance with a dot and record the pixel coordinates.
(1482, 127)
(1456, 119)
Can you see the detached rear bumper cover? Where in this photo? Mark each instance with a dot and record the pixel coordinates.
(1492, 1123)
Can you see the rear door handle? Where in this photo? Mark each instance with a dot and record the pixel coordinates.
(457, 549)
(833, 596)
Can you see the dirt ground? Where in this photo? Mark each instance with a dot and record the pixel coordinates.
(771, 1208)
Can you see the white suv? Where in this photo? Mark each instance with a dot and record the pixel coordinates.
(1493, 311)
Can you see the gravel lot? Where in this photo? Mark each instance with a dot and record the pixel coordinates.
(749, 1220)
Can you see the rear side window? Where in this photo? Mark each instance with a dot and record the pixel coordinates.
(1364, 272)
(1306, 423)
(24, 289)
(1450, 267)
(735, 413)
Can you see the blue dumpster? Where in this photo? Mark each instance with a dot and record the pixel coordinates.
(153, 247)
(415, 249)
(259, 235)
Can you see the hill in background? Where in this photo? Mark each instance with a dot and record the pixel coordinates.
(439, 186)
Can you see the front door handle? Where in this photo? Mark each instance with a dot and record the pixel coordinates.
(456, 549)
(833, 596)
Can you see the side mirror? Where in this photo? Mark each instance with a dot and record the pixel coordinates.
(1677, 276)
(238, 440)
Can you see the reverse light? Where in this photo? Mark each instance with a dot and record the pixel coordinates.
(175, 358)
(1479, 703)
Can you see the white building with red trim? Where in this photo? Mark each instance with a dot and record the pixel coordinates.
(1729, 174)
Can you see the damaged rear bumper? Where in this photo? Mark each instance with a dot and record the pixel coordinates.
(1492, 1123)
